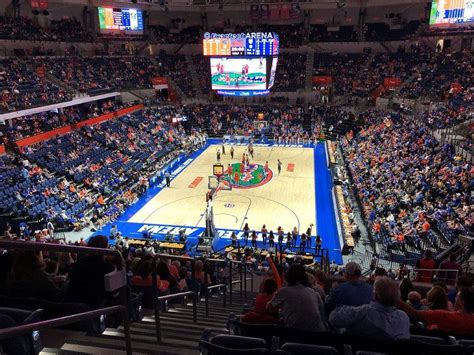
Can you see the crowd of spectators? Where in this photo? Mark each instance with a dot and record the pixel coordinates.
(99, 169)
(22, 88)
(384, 306)
(27, 126)
(291, 72)
(412, 187)
(176, 68)
(89, 74)
(23, 28)
(435, 74)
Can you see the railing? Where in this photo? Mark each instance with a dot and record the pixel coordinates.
(449, 276)
(56, 322)
(174, 296)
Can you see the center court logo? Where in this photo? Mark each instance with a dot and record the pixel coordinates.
(252, 176)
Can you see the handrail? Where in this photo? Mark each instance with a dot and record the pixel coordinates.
(175, 257)
(208, 288)
(22, 329)
(20, 245)
(172, 297)
(25, 328)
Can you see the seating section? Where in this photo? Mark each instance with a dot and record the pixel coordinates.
(21, 88)
(24, 28)
(414, 189)
(439, 72)
(93, 74)
(291, 72)
(176, 68)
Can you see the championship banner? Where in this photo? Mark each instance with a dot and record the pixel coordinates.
(159, 82)
(392, 82)
(322, 80)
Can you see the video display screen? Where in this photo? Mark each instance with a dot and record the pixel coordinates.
(113, 19)
(451, 13)
(230, 73)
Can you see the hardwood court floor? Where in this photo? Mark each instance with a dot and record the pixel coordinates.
(287, 200)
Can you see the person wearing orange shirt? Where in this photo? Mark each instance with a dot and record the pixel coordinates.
(458, 323)
(426, 263)
(100, 200)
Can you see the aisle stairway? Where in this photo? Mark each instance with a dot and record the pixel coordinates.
(179, 334)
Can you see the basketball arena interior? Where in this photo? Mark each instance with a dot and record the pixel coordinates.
(236, 177)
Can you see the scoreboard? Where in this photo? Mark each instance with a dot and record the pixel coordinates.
(241, 44)
(117, 19)
(452, 13)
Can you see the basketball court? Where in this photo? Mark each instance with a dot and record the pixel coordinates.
(286, 200)
(297, 197)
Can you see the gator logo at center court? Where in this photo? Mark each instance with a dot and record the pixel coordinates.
(254, 175)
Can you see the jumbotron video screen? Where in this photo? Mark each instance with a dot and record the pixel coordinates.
(242, 64)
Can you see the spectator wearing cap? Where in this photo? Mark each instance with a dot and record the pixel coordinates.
(379, 319)
(353, 292)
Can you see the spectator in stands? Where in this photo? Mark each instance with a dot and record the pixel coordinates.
(436, 298)
(463, 281)
(164, 273)
(460, 322)
(449, 276)
(28, 278)
(379, 319)
(353, 292)
(143, 278)
(414, 300)
(259, 313)
(299, 305)
(87, 276)
(425, 263)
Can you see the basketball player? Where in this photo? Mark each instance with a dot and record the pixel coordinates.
(223, 149)
(232, 152)
(266, 165)
(229, 171)
(279, 166)
(251, 150)
(218, 155)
